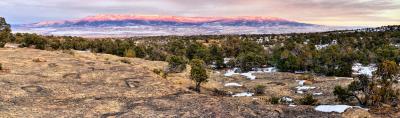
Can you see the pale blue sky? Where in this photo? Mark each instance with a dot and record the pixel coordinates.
(327, 12)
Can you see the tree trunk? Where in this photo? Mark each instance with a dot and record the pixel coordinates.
(359, 101)
(197, 87)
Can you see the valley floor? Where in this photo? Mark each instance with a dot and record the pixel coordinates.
(37, 83)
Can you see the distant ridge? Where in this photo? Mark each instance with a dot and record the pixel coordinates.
(129, 20)
(114, 25)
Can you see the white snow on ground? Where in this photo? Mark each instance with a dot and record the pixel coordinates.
(286, 99)
(233, 84)
(231, 72)
(301, 82)
(244, 94)
(226, 60)
(343, 78)
(359, 69)
(317, 94)
(302, 88)
(319, 47)
(249, 75)
(332, 108)
(266, 70)
(300, 92)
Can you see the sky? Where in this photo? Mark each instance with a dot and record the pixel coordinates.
(324, 12)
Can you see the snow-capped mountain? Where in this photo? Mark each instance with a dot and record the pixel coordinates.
(134, 25)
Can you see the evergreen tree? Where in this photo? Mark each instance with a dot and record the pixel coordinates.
(198, 73)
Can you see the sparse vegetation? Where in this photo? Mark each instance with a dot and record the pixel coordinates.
(274, 100)
(259, 89)
(308, 100)
(129, 53)
(374, 90)
(176, 64)
(5, 32)
(217, 92)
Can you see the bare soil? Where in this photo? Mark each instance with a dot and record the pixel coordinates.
(37, 83)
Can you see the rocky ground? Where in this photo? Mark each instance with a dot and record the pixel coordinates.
(37, 83)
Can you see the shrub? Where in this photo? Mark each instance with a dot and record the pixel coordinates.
(308, 100)
(259, 89)
(160, 72)
(342, 94)
(247, 61)
(198, 73)
(68, 52)
(5, 32)
(372, 91)
(176, 64)
(129, 53)
(217, 92)
(308, 77)
(274, 100)
(156, 54)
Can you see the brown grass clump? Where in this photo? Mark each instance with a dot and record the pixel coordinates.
(39, 60)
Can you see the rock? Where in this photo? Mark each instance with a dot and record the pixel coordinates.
(32, 89)
(132, 83)
(52, 65)
(356, 113)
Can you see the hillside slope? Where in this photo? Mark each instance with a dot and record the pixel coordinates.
(38, 83)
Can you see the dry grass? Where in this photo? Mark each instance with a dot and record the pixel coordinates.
(84, 84)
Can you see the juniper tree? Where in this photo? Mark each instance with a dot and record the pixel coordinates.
(198, 73)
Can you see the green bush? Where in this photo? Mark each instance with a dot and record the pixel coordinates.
(247, 61)
(176, 64)
(342, 94)
(259, 89)
(274, 100)
(5, 32)
(308, 100)
(198, 73)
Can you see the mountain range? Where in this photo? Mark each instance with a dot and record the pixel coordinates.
(138, 25)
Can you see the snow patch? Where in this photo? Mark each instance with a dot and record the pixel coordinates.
(344, 78)
(244, 94)
(231, 72)
(317, 94)
(304, 88)
(226, 60)
(233, 84)
(301, 82)
(319, 47)
(332, 108)
(286, 99)
(359, 69)
(249, 75)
